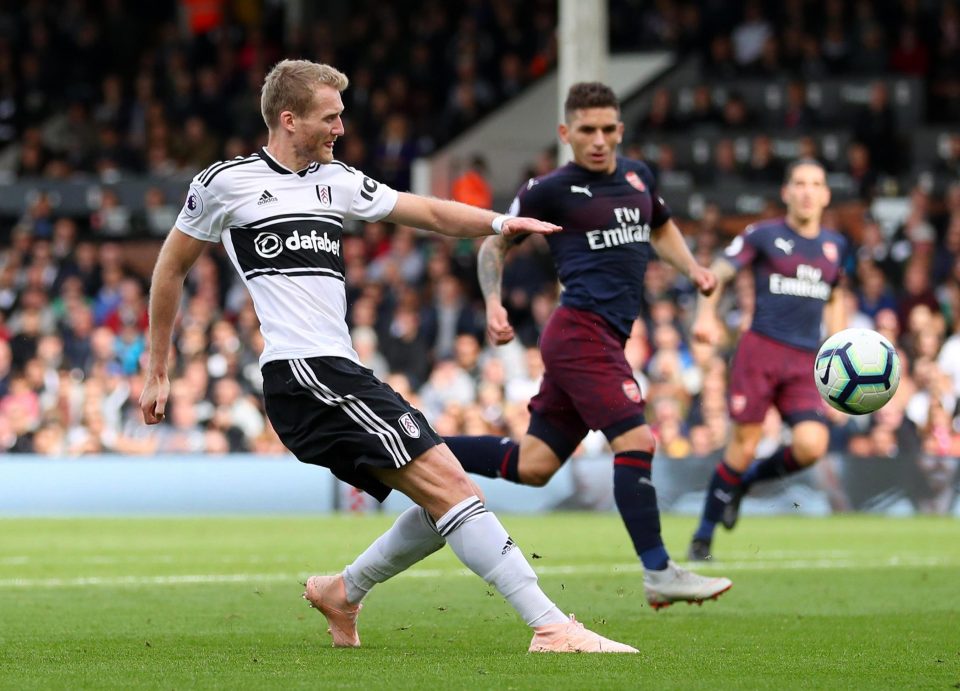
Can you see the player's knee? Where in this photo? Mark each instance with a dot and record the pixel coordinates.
(810, 443)
(637, 439)
(809, 451)
(536, 475)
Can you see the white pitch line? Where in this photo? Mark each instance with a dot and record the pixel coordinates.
(543, 570)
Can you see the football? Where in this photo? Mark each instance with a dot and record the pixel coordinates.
(857, 371)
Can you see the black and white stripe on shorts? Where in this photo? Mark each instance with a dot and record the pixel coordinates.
(356, 409)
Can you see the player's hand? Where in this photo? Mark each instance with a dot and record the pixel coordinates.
(153, 400)
(706, 329)
(521, 225)
(499, 330)
(704, 279)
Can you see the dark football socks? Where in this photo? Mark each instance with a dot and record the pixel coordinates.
(489, 456)
(777, 465)
(637, 502)
(724, 482)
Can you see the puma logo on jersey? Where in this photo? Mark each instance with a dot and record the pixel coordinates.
(581, 190)
(266, 198)
(785, 245)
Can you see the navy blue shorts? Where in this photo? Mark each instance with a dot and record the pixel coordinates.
(588, 383)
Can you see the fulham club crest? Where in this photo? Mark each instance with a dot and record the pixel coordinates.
(635, 180)
(830, 251)
(323, 194)
(409, 426)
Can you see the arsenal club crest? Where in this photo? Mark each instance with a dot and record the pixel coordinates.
(635, 180)
(738, 403)
(830, 251)
(324, 195)
(632, 390)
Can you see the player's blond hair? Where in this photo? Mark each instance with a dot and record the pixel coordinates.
(291, 85)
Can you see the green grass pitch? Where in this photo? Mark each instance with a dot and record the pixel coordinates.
(845, 602)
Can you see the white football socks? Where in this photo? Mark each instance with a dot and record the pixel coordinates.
(481, 543)
(412, 537)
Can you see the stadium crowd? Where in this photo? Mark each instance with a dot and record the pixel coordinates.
(73, 304)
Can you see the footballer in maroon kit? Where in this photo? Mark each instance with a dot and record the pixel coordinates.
(613, 221)
(796, 266)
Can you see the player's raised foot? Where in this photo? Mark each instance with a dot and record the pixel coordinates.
(699, 551)
(571, 637)
(731, 512)
(328, 594)
(674, 584)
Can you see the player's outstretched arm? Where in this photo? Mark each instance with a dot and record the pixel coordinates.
(461, 220)
(178, 254)
(490, 262)
(668, 242)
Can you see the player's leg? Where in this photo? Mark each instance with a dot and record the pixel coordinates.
(809, 444)
(410, 539)
(724, 487)
(531, 462)
(635, 496)
(663, 581)
(803, 409)
(437, 482)
(754, 377)
(334, 413)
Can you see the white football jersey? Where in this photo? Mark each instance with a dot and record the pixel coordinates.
(282, 230)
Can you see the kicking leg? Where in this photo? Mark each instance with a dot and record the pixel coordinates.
(436, 482)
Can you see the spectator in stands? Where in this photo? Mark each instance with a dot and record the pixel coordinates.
(869, 56)
(750, 34)
(910, 55)
(916, 290)
(157, 217)
(875, 128)
(735, 114)
(395, 152)
(861, 173)
(948, 167)
(944, 104)
(798, 116)
(472, 186)
(724, 167)
(718, 64)
(404, 346)
(111, 218)
(660, 116)
(763, 167)
(874, 294)
(768, 65)
(702, 111)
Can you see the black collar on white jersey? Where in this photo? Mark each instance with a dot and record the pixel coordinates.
(283, 170)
